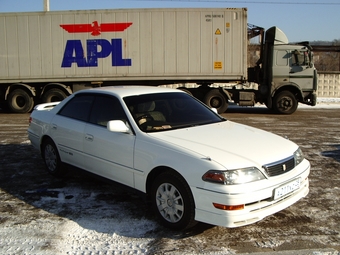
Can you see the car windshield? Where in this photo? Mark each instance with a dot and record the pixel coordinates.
(166, 111)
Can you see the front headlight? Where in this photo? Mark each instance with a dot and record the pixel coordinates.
(232, 177)
(298, 156)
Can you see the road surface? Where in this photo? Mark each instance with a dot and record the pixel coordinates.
(40, 214)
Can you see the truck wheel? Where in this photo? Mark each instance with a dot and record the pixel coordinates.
(215, 99)
(20, 101)
(49, 153)
(285, 102)
(173, 202)
(53, 95)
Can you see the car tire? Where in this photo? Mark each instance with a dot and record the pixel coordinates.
(51, 158)
(173, 202)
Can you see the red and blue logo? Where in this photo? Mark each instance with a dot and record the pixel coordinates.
(74, 50)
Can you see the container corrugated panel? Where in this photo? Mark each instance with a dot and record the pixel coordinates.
(124, 44)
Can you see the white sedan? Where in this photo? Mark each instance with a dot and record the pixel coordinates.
(192, 164)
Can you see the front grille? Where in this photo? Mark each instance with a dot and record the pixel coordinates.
(280, 167)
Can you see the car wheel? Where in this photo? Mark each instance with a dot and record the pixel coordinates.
(173, 201)
(51, 158)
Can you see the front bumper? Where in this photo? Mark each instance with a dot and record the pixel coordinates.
(256, 208)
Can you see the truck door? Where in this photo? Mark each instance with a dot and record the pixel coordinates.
(280, 67)
(301, 72)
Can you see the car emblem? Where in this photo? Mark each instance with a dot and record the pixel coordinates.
(284, 167)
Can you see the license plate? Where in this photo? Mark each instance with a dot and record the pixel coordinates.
(286, 189)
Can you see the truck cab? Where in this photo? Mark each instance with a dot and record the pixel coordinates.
(289, 75)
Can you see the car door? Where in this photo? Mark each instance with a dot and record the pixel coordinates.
(109, 154)
(67, 129)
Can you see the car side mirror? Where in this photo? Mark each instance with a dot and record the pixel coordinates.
(117, 126)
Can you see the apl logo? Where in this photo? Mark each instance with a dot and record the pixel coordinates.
(96, 48)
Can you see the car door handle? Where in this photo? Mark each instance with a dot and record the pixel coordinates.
(54, 126)
(89, 137)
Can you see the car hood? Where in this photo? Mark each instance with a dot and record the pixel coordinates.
(229, 144)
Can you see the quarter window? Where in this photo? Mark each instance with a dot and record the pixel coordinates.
(281, 58)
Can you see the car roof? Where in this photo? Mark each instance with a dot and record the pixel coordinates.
(123, 91)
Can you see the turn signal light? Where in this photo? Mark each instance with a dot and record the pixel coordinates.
(228, 207)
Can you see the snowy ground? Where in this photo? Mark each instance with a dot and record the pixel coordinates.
(43, 215)
(322, 103)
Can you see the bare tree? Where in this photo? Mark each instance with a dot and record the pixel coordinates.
(328, 60)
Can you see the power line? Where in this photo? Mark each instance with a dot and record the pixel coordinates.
(242, 2)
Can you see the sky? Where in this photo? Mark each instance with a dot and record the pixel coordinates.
(301, 20)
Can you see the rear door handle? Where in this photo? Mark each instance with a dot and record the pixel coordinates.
(89, 137)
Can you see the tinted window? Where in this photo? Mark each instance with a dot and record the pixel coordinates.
(78, 107)
(106, 108)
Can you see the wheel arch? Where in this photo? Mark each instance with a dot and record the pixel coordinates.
(161, 177)
(42, 140)
(156, 172)
(61, 86)
(23, 86)
(292, 87)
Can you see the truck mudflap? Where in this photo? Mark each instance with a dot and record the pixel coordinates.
(310, 99)
(314, 99)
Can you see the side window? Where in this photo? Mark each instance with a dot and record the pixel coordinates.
(300, 58)
(78, 108)
(106, 108)
(282, 58)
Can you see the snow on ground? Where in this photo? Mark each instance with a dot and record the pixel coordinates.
(102, 227)
(94, 230)
(322, 102)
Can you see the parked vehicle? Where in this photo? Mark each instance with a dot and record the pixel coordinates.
(190, 162)
(47, 56)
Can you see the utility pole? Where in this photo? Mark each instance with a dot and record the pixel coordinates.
(46, 5)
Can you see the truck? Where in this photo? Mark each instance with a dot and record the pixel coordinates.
(46, 56)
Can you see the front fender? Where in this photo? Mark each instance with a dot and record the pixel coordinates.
(292, 87)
